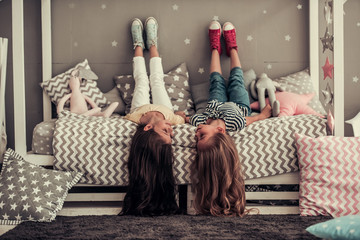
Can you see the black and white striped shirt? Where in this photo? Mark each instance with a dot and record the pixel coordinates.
(231, 113)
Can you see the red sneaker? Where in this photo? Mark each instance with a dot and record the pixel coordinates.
(229, 33)
(215, 35)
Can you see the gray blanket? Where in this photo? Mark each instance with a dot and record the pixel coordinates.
(99, 147)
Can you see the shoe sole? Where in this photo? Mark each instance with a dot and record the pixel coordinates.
(228, 23)
(149, 18)
(138, 20)
(217, 24)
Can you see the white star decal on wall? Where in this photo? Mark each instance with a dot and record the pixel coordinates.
(355, 79)
(249, 38)
(358, 24)
(264, 11)
(269, 66)
(103, 6)
(201, 70)
(216, 18)
(287, 38)
(114, 43)
(187, 41)
(299, 6)
(175, 7)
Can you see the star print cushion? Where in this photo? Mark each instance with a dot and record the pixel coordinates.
(176, 84)
(31, 193)
(57, 87)
(301, 83)
(346, 227)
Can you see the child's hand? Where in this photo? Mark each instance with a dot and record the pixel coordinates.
(181, 114)
(266, 112)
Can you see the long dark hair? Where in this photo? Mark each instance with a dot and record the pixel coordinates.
(152, 187)
(217, 178)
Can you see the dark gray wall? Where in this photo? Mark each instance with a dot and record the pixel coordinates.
(86, 29)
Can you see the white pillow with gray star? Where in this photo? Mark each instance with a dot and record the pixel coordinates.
(31, 193)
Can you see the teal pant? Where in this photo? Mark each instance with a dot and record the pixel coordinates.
(235, 91)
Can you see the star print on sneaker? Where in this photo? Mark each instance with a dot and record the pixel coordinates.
(229, 33)
(215, 35)
(137, 33)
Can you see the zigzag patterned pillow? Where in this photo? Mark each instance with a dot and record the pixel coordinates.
(58, 86)
(329, 175)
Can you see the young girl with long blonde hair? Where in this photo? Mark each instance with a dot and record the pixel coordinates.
(216, 173)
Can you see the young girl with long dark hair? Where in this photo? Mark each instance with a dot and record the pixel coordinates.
(152, 187)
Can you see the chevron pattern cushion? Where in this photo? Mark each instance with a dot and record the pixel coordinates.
(31, 193)
(329, 175)
(58, 86)
(176, 84)
(99, 147)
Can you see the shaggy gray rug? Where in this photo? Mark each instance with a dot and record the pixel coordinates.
(168, 227)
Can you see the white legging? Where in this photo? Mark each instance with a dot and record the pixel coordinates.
(141, 94)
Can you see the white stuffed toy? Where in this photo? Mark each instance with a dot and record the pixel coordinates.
(262, 87)
(79, 101)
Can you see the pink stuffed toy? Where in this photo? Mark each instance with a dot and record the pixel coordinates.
(291, 104)
(79, 101)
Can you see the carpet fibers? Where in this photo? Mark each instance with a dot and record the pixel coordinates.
(168, 227)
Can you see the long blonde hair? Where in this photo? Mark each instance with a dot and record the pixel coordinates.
(217, 178)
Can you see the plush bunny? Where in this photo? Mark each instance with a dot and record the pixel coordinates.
(79, 101)
(263, 86)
